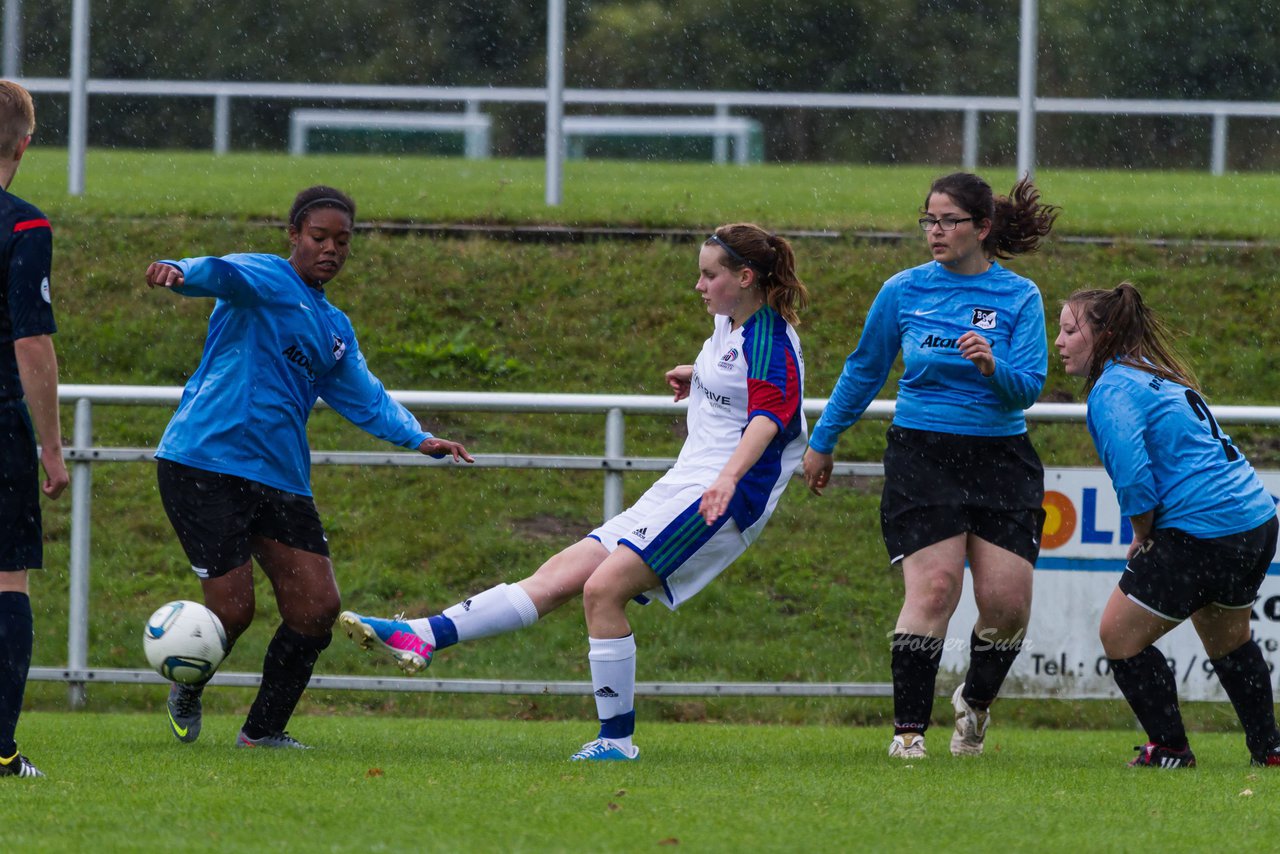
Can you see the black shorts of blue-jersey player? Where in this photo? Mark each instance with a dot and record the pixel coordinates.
(1204, 525)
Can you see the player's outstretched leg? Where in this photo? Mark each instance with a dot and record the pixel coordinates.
(185, 709)
(498, 610)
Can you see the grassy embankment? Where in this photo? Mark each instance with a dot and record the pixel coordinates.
(812, 601)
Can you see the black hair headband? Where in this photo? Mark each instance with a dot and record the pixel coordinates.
(735, 256)
(331, 201)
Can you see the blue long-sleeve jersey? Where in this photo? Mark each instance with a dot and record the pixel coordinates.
(1164, 451)
(274, 347)
(922, 312)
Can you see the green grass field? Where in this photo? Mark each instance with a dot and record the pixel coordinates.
(811, 601)
(121, 783)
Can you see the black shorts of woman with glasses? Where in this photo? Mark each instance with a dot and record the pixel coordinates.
(962, 481)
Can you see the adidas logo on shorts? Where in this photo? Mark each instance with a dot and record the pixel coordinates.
(642, 533)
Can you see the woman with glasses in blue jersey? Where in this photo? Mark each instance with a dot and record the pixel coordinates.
(962, 481)
(1204, 526)
(234, 462)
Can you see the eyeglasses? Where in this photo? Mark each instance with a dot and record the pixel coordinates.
(947, 224)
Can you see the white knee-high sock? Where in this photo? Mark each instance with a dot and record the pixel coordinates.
(500, 609)
(613, 677)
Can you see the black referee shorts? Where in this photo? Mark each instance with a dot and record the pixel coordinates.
(1177, 574)
(939, 485)
(21, 534)
(216, 516)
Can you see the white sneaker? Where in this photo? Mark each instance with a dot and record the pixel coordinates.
(971, 726)
(908, 745)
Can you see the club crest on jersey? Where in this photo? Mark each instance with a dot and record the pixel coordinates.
(984, 318)
(727, 360)
(339, 348)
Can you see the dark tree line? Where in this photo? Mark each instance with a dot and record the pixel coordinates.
(1228, 50)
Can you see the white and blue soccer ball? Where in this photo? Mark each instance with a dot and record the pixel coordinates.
(184, 641)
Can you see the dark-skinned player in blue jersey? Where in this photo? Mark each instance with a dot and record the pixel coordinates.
(234, 463)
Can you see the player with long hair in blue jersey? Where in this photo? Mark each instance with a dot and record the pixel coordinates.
(1204, 526)
(962, 481)
(234, 464)
(746, 436)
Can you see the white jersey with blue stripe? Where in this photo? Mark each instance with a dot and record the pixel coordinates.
(922, 312)
(1164, 451)
(274, 346)
(756, 369)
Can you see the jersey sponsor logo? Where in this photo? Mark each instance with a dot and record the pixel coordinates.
(294, 354)
(727, 360)
(339, 348)
(719, 401)
(984, 318)
(44, 290)
(938, 342)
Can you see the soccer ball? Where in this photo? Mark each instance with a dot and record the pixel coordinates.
(184, 641)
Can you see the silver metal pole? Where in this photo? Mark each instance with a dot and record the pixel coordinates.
(1218, 156)
(221, 123)
(78, 605)
(970, 153)
(720, 142)
(614, 440)
(1027, 90)
(555, 102)
(12, 39)
(78, 127)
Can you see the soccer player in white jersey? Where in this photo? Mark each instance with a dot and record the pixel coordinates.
(1204, 526)
(962, 482)
(746, 437)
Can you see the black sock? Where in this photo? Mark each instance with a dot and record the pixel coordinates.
(1148, 684)
(1244, 676)
(914, 662)
(15, 661)
(989, 663)
(286, 670)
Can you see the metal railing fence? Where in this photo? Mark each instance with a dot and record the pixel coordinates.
(720, 102)
(82, 456)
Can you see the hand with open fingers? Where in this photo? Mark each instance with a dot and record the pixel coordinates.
(680, 378)
(977, 350)
(162, 275)
(440, 448)
(816, 469)
(715, 501)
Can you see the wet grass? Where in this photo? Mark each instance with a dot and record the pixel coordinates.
(385, 784)
(123, 183)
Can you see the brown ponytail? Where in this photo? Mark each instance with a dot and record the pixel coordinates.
(1018, 221)
(1125, 330)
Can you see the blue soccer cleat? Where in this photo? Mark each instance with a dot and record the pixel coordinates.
(411, 652)
(604, 750)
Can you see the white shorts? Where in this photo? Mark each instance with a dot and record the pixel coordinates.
(665, 529)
